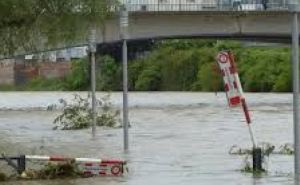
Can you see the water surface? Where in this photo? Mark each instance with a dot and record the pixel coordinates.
(175, 138)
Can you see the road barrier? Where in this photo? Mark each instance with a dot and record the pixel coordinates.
(88, 166)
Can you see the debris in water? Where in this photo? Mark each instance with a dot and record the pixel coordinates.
(78, 114)
(3, 176)
(53, 171)
(286, 149)
(247, 166)
(267, 149)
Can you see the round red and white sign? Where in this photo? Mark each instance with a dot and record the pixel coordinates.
(116, 170)
(222, 57)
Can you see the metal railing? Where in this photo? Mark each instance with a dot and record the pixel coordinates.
(206, 5)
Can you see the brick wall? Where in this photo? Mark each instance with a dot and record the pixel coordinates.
(54, 69)
(25, 72)
(20, 73)
(7, 72)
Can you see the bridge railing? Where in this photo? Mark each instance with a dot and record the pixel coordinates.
(206, 5)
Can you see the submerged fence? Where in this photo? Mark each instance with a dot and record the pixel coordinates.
(206, 5)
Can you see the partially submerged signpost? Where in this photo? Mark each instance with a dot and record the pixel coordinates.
(235, 97)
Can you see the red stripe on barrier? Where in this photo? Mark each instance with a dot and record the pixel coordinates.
(235, 101)
(226, 87)
(222, 72)
(232, 70)
(246, 112)
(102, 173)
(87, 173)
(112, 162)
(232, 62)
(235, 85)
(88, 164)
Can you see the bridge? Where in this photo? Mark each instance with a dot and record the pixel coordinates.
(161, 19)
(258, 25)
(164, 19)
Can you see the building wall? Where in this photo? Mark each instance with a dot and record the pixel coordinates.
(54, 69)
(12, 73)
(25, 72)
(7, 72)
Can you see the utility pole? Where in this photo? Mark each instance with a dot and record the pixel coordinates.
(295, 9)
(92, 50)
(124, 37)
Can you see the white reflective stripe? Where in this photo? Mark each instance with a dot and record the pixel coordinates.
(88, 160)
(238, 82)
(37, 157)
(47, 158)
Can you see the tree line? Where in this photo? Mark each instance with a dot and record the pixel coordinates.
(182, 65)
(32, 25)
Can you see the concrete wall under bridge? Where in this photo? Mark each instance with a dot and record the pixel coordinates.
(258, 25)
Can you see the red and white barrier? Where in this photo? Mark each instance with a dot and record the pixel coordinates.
(88, 166)
(233, 87)
(229, 72)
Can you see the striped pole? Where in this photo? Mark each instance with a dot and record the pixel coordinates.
(233, 87)
(243, 100)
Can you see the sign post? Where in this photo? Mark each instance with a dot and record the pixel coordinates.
(295, 9)
(235, 97)
(124, 37)
(92, 50)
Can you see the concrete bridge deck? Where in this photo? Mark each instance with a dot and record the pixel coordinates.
(258, 25)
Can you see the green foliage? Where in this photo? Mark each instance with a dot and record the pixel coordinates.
(182, 66)
(149, 79)
(190, 65)
(25, 25)
(53, 171)
(6, 87)
(265, 70)
(43, 84)
(59, 170)
(78, 114)
(208, 78)
(134, 71)
(78, 78)
(110, 75)
(186, 44)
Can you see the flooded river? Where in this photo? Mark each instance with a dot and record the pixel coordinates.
(175, 138)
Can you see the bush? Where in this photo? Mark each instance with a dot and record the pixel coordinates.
(78, 79)
(109, 76)
(149, 79)
(78, 115)
(43, 84)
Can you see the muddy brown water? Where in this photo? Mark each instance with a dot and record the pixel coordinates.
(175, 138)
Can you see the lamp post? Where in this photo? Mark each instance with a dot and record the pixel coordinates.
(295, 9)
(124, 37)
(92, 50)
